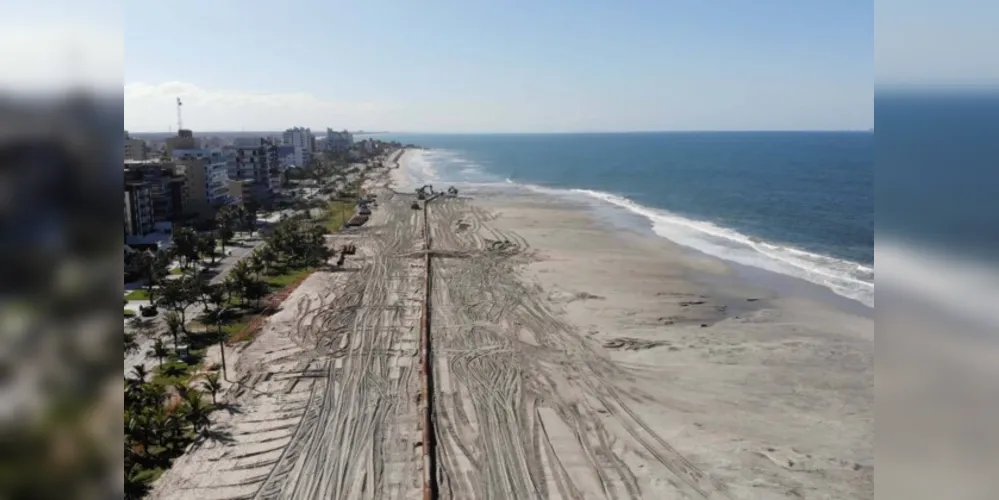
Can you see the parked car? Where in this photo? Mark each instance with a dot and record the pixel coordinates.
(148, 311)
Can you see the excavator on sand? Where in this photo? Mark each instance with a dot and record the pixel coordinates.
(425, 191)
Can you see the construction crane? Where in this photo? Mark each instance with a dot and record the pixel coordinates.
(180, 122)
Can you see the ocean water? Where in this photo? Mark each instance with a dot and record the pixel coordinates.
(937, 187)
(799, 204)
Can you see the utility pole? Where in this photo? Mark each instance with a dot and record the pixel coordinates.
(220, 314)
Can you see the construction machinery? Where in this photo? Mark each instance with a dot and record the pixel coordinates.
(423, 192)
(415, 205)
(452, 191)
(345, 250)
(357, 220)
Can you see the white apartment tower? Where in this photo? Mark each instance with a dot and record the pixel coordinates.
(304, 143)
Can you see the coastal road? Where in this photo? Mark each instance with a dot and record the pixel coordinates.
(236, 253)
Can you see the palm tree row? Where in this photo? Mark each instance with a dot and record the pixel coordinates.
(154, 433)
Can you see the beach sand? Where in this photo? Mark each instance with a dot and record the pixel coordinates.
(651, 370)
(571, 360)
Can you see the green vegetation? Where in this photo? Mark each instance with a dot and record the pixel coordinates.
(173, 372)
(164, 411)
(337, 215)
(280, 281)
(235, 329)
(129, 313)
(140, 294)
(160, 422)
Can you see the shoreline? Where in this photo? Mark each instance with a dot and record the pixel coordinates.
(568, 360)
(616, 218)
(730, 346)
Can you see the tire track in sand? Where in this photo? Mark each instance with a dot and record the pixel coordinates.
(525, 408)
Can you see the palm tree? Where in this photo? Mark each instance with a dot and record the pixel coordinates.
(267, 257)
(182, 388)
(213, 385)
(226, 220)
(175, 325)
(131, 345)
(255, 262)
(206, 246)
(139, 373)
(197, 412)
(185, 244)
(159, 350)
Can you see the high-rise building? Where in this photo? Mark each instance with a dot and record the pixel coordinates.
(299, 137)
(166, 187)
(255, 160)
(135, 149)
(338, 140)
(183, 140)
(138, 209)
(304, 143)
(205, 174)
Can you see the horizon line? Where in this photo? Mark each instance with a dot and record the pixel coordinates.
(582, 132)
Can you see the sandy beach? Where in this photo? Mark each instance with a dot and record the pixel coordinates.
(571, 360)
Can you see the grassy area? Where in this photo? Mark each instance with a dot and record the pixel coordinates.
(174, 371)
(235, 328)
(177, 271)
(129, 313)
(337, 214)
(282, 280)
(140, 294)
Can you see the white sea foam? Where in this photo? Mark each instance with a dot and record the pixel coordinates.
(846, 278)
(956, 285)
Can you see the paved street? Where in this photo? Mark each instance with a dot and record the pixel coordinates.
(242, 249)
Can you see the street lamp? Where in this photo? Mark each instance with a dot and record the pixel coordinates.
(218, 319)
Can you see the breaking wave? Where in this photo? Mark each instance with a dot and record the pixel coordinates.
(846, 278)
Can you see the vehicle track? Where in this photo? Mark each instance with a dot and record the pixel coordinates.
(518, 391)
(356, 440)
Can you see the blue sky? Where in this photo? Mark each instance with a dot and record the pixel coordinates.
(513, 66)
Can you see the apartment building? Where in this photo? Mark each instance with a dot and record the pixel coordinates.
(338, 140)
(286, 156)
(138, 209)
(241, 191)
(183, 140)
(299, 137)
(206, 177)
(303, 142)
(166, 187)
(256, 160)
(135, 149)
